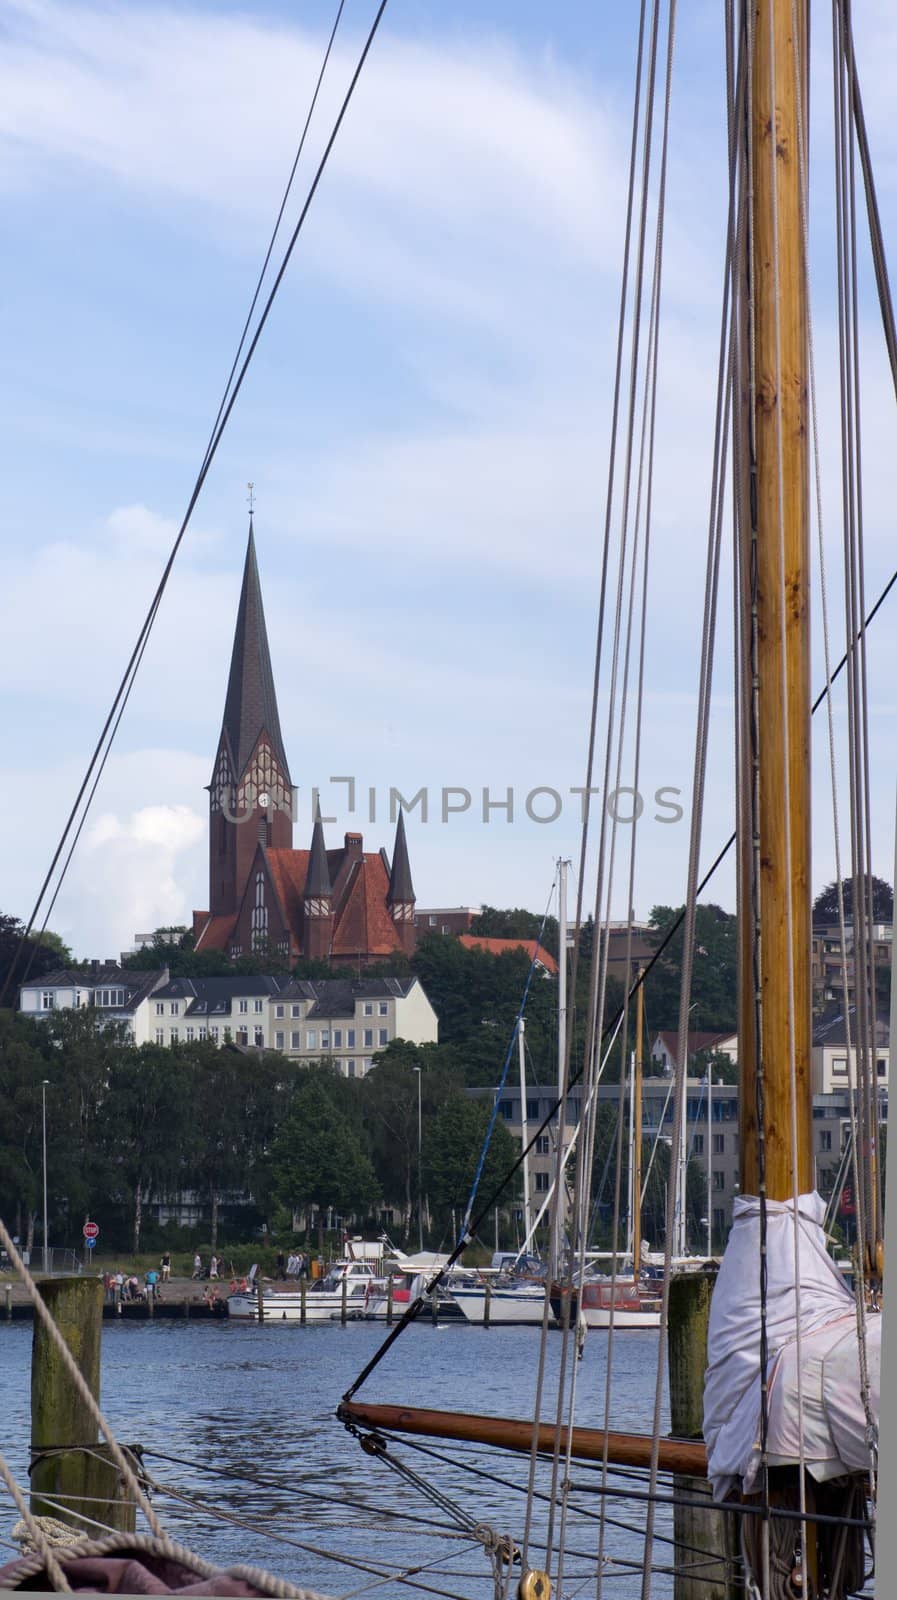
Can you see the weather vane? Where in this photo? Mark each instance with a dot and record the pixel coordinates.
(251, 497)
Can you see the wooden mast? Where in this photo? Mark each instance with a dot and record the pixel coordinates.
(777, 278)
(637, 1129)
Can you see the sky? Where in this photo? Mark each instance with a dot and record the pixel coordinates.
(426, 425)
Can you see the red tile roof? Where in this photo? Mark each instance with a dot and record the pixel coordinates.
(289, 870)
(362, 921)
(216, 933)
(498, 947)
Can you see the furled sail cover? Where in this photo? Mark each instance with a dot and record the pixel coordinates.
(834, 1419)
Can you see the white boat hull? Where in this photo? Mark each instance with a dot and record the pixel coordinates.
(506, 1305)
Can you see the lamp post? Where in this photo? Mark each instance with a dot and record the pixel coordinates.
(420, 1180)
(44, 1085)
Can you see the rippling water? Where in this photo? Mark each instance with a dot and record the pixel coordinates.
(243, 1399)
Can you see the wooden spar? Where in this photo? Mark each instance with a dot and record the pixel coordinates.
(507, 1433)
(780, 507)
(637, 1130)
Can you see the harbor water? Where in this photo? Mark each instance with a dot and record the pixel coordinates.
(237, 1422)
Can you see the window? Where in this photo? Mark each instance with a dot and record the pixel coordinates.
(350, 1068)
(160, 1008)
(278, 1011)
(719, 1221)
(383, 1034)
(175, 1007)
(278, 1041)
(543, 1145)
(337, 1038)
(295, 1040)
(383, 1008)
(203, 1033)
(699, 1144)
(882, 1069)
(325, 1038)
(368, 1008)
(825, 1139)
(543, 1183)
(46, 1000)
(242, 1036)
(311, 1039)
(188, 1035)
(350, 1038)
(719, 1180)
(532, 1109)
(506, 1109)
(368, 1039)
(719, 1144)
(160, 1036)
(260, 1036)
(174, 1036)
(432, 921)
(244, 1007)
(214, 1033)
(295, 1011)
(258, 1006)
(839, 1066)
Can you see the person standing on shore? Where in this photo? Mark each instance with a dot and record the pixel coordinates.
(213, 1267)
(197, 1265)
(166, 1266)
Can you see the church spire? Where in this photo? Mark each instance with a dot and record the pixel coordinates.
(251, 704)
(317, 882)
(401, 890)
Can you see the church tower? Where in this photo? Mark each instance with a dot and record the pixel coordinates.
(400, 899)
(250, 795)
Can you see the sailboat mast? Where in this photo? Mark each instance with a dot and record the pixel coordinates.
(524, 1122)
(637, 1128)
(777, 640)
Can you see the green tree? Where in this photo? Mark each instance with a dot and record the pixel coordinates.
(825, 906)
(453, 1139)
(22, 1069)
(146, 1127)
(714, 970)
(31, 957)
(389, 1094)
(517, 924)
(318, 1159)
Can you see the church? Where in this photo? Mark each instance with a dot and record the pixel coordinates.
(349, 906)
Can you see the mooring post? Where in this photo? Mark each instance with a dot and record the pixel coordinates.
(700, 1534)
(303, 1291)
(150, 1299)
(389, 1290)
(9, 1302)
(344, 1297)
(259, 1299)
(81, 1481)
(487, 1305)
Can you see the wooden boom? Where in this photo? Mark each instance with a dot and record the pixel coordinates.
(508, 1433)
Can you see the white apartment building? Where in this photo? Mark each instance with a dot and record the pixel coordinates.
(349, 1019)
(830, 1053)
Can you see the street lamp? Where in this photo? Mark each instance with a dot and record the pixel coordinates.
(420, 1180)
(44, 1086)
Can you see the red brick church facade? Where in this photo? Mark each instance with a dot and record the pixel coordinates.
(348, 906)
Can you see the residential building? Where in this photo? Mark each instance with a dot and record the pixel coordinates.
(830, 965)
(221, 1010)
(665, 1047)
(350, 1019)
(830, 1055)
(118, 994)
(451, 920)
(346, 906)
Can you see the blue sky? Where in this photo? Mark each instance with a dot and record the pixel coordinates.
(425, 424)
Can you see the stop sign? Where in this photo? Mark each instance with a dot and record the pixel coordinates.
(90, 1230)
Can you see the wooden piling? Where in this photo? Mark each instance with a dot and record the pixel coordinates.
(260, 1299)
(700, 1534)
(9, 1302)
(303, 1291)
(487, 1305)
(389, 1294)
(82, 1482)
(343, 1300)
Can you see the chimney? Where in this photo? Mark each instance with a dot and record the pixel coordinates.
(354, 846)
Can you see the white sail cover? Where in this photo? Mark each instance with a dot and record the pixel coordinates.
(830, 1414)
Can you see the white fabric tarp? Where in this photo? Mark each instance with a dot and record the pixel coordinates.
(834, 1420)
